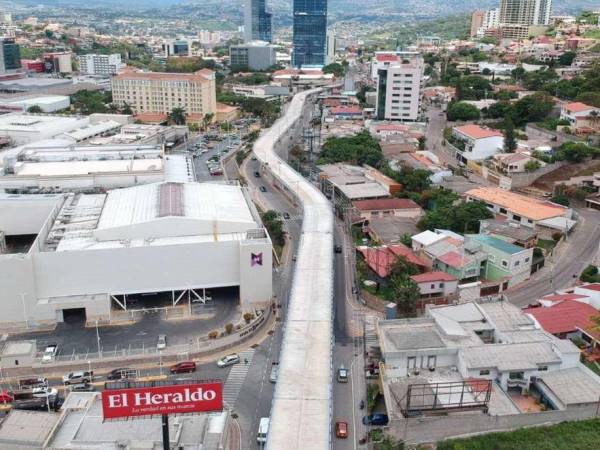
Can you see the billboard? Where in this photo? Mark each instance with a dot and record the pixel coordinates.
(158, 400)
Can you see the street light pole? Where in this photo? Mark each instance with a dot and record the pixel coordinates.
(98, 339)
(24, 310)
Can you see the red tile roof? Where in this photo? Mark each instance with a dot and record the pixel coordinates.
(592, 287)
(391, 127)
(576, 107)
(476, 132)
(346, 110)
(387, 57)
(381, 259)
(454, 259)
(384, 204)
(563, 297)
(432, 276)
(565, 317)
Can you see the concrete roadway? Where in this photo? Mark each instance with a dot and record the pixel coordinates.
(256, 394)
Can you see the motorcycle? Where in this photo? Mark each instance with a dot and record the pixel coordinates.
(362, 404)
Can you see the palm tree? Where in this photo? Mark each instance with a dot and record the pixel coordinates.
(177, 116)
(206, 120)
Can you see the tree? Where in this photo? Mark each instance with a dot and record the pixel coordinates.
(590, 275)
(411, 179)
(35, 109)
(402, 268)
(359, 149)
(566, 59)
(531, 108)
(406, 294)
(461, 218)
(510, 141)
(206, 120)
(536, 80)
(561, 199)
(274, 225)
(462, 111)
(532, 166)
(126, 109)
(472, 87)
(334, 68)
(389, 443)
(177, 116)
(422, 142)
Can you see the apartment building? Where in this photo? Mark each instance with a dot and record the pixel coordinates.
(399, 89)
(525, 12)
(100, 64)
(153, 95)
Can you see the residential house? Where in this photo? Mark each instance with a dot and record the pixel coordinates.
(528, 211)
(425, 239)
(568, 319)
(381, 259)
(511, 163)
(346, 112)
(478, 348)
(436, 284)
(510, 232)
(504, 261)
(475, 143)
(591, 290)
(576, 110)
(400, 207)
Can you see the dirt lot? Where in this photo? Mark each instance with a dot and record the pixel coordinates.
(546, 182)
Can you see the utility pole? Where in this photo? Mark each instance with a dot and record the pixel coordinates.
(165, 432)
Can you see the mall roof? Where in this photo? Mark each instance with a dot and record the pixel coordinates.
(74, 168)
(529, 207)
(37, 122)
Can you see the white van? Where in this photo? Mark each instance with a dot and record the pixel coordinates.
(263, 430)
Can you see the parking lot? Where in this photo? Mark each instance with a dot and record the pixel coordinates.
(207, 161)
(73, 338)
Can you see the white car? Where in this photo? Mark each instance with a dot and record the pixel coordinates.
(162, 342)
(50, 353)
(228, 360)
(41, 392)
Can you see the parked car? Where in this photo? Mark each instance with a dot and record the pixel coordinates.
(274, 372)
(375, 419)
(49, 353)
(342, 375)
(82, 387)
(29, 383)
(228, 360)
(286, 215)
(42, 392)
(257, 174)
(338, 249)
(263, 189)
(120, 374)
(183, 367)
(341, 429)
(78, 377)
(6, 397)
(162, 342)
(263, 430)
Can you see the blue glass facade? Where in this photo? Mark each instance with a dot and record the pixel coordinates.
(310, 33)
(258, 21)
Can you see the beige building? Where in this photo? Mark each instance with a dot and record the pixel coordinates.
(153, 95)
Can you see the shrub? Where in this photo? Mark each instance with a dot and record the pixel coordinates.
(556, 236)
(229, 328)
(248, 317)
(213, 334)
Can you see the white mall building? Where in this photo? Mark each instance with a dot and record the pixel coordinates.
(62, 252)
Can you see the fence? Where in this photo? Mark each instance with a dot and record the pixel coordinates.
(198, 347)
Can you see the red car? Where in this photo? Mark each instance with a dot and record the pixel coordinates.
(341, 429)
(6, 397)
(184, 367)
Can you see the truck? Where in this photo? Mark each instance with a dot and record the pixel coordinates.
(30, 383)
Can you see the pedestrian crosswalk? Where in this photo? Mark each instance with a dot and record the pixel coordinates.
(236, 378)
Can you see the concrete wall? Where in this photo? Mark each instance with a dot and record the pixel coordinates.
(28, 215)
(518, 180)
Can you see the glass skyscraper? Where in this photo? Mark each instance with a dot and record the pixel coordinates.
(10, 55)
(257, 21)
(310, 33)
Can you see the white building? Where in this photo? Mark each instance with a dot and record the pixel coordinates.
(47, 103)
(383, 60)
(400, 89)
(492, 341)
(577, 110)
(91, 252)
(26, 128)
(94, 64)
(252, 55)
(475, 143)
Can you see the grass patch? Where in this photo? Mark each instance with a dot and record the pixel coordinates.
(593, 34)
(581, 435)
(593, 366)
(546, 244)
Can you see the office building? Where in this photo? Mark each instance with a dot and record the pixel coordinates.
(10, 56)
(330, 51)
(399, 90)
(257, 21)
(525, 12)
(177, 47)
(481, 21)
(476, 22)
(310, 30)
(81, 252)
(100, 64)
(58, 62)
(153, 95)
(254, 55)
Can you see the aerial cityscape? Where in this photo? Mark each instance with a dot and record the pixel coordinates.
(300, 225)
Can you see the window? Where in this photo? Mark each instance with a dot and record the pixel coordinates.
(504, 263)
(441, 285)
(516, 218)
(527, 259)
(542, 368)
(484, 372)
(433, 286)
(516, 375)
(431, 360)
(517, 263)
(503, 211)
